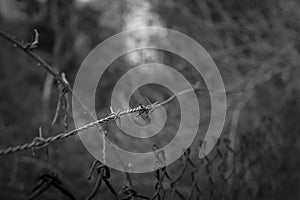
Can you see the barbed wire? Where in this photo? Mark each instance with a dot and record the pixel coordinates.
(40, 142)
(46, 180)
(61, 79)
(167, 185)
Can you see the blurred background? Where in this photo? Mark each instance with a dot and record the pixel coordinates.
(255, 45)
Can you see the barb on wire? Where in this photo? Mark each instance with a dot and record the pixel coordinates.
(34, 42)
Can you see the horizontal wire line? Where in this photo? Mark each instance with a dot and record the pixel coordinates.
(111, 117)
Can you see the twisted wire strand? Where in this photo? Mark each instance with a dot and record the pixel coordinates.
(39, 142)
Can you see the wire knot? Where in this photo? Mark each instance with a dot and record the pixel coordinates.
(115, 115)
(39, 142)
